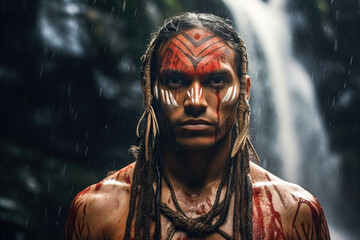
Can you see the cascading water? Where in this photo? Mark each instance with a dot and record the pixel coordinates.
(287, 129)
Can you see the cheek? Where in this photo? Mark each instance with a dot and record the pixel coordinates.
(227, 101)
(228, 113)
(168, 99)
(231, 95)
(227, 110)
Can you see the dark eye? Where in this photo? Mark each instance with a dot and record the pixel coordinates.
(174, 82)
(217, 82)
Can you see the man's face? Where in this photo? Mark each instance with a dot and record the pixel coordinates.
(198, 89)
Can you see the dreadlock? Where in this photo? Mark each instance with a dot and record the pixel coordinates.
(146, 204)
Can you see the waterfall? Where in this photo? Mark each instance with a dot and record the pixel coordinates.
(287, 129)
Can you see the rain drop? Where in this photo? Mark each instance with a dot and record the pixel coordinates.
(59, 211)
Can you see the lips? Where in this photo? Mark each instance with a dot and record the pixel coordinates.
(195, 124)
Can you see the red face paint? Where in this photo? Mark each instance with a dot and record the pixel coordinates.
(217, 94)
(195, 55)
(196, 72)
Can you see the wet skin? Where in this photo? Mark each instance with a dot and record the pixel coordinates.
(281, 210)
(197, 89)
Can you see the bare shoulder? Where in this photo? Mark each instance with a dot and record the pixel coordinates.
(290, 210)
(100, 210)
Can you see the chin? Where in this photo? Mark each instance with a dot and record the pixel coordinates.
(196, 143)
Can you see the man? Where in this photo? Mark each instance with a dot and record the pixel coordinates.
(193, 178)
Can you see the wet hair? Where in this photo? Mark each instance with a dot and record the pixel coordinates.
(145, 203)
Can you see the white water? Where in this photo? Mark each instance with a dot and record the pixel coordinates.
(287, 129)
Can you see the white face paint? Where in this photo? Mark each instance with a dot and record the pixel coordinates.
(234, 94)
(162, 95)
(156, 92)
(195, 93)
(230, 94)
(172, 100)
(168, 99)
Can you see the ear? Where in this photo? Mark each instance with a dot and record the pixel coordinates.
(248, 87)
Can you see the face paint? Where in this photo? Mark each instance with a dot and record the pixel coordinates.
(186, 54)
(196, 67)
(156, 92)
(195, 93)
(168, 99)
(230, 94)
(172, 100)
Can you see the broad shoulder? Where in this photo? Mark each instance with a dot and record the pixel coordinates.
(286, 210)
(96, 209)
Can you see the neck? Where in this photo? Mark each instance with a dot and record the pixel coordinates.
(194, 170)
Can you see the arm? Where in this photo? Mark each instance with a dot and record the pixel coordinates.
(79, 225)
(309, 220)
(100, 211)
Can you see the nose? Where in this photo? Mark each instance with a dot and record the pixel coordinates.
(195, 102)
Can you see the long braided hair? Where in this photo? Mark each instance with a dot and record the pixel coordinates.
(145, 204)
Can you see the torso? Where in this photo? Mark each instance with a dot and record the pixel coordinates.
(280, 210)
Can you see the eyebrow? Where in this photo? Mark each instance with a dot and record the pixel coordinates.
(167, 73)
(222, 72)
(172, 73)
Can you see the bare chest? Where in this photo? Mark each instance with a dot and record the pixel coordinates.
(268, 219)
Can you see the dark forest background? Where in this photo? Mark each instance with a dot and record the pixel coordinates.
(70, 97)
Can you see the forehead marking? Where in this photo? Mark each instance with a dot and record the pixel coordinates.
(197, 43)
(195, 59)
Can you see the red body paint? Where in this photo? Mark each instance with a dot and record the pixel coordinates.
(258, 225)
(278, 192)
(127, 179)
(118, 175)
(208, 201)
(71, 222)
(125, 171)
(98, 186)
(318, 228)
(201, 210)
(273, 228)
(84, 210)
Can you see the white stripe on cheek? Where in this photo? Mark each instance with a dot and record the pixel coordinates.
(156, 93)
(192, 95)
(173, 101)
(162, 95)
(234, 95)
(167, 97)
(228, 94)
